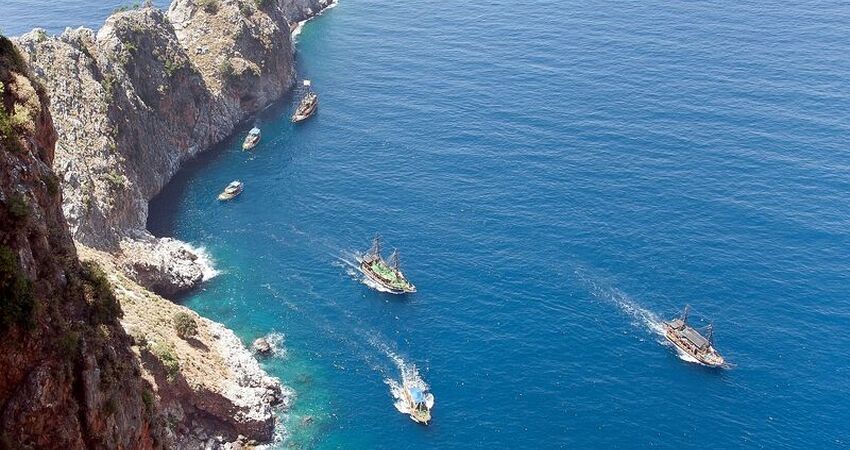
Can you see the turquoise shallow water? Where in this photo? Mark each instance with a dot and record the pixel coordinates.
(558, 176)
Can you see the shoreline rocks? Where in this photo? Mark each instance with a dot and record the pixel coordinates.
(261, 346)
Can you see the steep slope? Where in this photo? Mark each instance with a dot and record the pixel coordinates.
(68, 378)
(145, 93)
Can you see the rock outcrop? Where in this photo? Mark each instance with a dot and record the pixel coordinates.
(67, 376)
(145, 93)
(208, 385)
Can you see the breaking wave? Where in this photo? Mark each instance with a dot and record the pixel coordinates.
(300, 26)
(276, 342)
(206, 262)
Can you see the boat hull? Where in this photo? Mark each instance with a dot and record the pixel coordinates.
(300, 117)
(370, 274)
(224, 196)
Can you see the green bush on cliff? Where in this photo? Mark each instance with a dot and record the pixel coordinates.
(51, 182)
(17, 207)
(185, 325)
(17, 306)
(8, 135)
(104, 306)
(226, 69)
(165, 353)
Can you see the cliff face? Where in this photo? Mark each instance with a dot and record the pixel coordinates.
(129, 105)
(68, 378)
(149, 90)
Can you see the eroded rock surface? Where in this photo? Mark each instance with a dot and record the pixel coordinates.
(146, 92)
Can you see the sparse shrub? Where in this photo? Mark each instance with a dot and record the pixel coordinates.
(262, 3)
(128, 7)
(51, 182)
(209, 6)
(171, 67)
(130, 47)
(148, 400)
(185, 325)
(115, 179)
(69, 345)
(17, 306)
(165, 353)
(105, 307)
(17, 207)
(226, 69)
(8, 135)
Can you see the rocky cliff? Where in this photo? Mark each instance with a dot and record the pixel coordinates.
(91, 358)
(145, 93)
(68, 378)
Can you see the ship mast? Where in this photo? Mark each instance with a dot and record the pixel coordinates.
(395, 263)
(685, 313)
(376, 246)
(709, 333)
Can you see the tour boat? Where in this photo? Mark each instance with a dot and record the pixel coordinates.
(416, 403)
(308, 105)
(252, 139)
(690, 342)
(386, 275)
(232, 190)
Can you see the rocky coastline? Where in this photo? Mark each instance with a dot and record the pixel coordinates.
(130, 104)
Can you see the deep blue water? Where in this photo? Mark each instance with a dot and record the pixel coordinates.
(557, 175)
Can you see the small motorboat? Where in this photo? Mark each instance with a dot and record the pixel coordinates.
(252, 139)
(416, 403)
(308, 105)
(232, 190)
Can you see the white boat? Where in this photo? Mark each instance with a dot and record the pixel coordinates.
(308, 105)
(232, 190)
(252, 139)
(416, 403)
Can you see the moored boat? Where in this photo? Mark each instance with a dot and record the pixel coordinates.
(309, 104)
(387, 275)
(690, 342)
(232, 190)
(416, 402)
(252, 139)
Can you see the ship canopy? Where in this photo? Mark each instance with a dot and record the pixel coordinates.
(254, 131)
(417, 395)
(696, 338)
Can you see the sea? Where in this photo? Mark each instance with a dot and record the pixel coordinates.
(559, 177)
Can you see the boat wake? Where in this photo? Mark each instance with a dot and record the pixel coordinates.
(351, 262)
(410, 377)
(642, 317)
